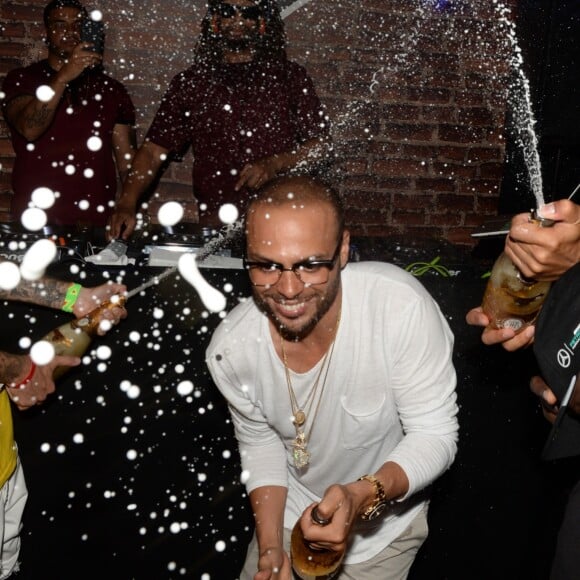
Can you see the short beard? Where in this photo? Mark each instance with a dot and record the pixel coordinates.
(238, 44)
(292, 335)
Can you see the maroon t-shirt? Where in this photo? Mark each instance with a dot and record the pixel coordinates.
(60, 159)
(233, 115)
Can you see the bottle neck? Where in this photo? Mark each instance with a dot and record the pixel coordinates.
(91, 321)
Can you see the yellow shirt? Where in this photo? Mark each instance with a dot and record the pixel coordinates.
(8, 452)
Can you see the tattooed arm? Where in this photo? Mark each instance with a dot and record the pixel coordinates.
(27, 384)
(51, 293)
(43, 292)
(29, 115)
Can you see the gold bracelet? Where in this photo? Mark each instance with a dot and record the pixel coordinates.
(379, 503)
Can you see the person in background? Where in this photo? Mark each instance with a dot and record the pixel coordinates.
(247, 112)
(552, 254)
(53, 107)
(341, 387)
(28, 385)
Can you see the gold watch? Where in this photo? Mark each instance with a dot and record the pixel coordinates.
(379, 503)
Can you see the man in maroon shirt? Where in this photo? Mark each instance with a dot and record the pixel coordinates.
(53, 108)
(246, 110)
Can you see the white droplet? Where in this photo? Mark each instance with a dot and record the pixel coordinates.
(185, 388)
(175, 528)
(84, 204)
(170, 213)
(94, 143)
(228, 213)
(96, 15)
(42, 352)
(78, 438)
(44, 93)
(37, 259)
(104, 352)
(33, 219)
(70, 169)
(131, 455)
(212, 298)
(133, 392)
(220, 546)
(43, 197)
(9, 275)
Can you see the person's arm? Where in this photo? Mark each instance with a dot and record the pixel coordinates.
(28, 384)
(124, 147)
(258, 173)
(344, 504)
(52, 293)
(268, 508)
(549, 401)
(31, 116)
(507, 337)
(545, 253)
(144, 169)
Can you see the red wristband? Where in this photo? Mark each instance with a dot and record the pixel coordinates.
(27, 379)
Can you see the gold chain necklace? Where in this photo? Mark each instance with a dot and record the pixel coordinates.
(300, 415)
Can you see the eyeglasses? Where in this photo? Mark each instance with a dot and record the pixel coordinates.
(308, 271)
(247, 12)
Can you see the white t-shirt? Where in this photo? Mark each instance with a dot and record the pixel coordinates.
(389, 396)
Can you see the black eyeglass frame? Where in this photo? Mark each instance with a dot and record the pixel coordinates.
(295, 268)
(225, 10)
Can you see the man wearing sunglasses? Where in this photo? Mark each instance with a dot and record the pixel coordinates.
(341, 387)
(247, 112)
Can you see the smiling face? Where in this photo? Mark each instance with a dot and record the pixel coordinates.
(288, 233)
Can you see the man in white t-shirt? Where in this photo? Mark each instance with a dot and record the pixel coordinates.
(341, 388)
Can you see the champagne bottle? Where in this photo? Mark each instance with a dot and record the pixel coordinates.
(74, 337)
(511, 300)
(309, 562)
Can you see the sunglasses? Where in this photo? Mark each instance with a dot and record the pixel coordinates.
(247, 12)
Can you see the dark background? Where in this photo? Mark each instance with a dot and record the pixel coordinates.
(94, 513)
(549, 35)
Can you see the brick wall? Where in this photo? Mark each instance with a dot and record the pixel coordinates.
(416, 90)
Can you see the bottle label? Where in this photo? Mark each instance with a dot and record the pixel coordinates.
(513, 323)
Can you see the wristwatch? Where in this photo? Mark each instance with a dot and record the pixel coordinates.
(378, 505)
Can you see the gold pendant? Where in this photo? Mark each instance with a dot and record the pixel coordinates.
(301, 454)
(299, 418)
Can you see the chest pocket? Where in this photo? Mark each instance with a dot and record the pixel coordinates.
(363, 421)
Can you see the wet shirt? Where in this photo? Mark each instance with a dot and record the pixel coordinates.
(234, 115)
(60, 159)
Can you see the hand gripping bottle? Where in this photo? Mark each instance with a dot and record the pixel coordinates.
(312, 563)
(511, 300)
(74, 337)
